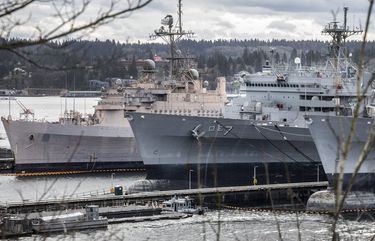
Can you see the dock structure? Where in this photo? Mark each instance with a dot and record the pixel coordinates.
(119, 200)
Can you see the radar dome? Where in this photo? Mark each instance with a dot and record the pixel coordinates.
(167, 20)
(205, 84)
(297, 60)
(149, 64)
(194, 74)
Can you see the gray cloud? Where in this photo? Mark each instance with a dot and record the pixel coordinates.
(213, 19)
(282, 25)
(225, 24)
(290, 5)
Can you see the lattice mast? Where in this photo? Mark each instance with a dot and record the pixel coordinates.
(339, 35)
(172, 35)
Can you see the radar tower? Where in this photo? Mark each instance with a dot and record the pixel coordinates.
(343, 70)
(339, 34)
(172, 35)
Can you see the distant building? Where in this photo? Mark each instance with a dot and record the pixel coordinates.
(97, 84)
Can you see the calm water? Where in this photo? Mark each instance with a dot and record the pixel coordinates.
(233, 225)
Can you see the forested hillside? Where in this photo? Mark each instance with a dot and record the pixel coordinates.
(56, 65)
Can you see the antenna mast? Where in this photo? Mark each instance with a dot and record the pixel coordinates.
(179, 15)
(172, 36)
(339, 34)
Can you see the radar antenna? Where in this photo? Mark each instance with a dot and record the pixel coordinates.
(339, 34)
(172, 35)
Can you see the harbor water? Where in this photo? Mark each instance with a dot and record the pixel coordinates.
(225, 224)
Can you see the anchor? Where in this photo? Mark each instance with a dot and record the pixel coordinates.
(196, 133)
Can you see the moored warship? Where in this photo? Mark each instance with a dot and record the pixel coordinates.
(263, 137)
(105, 140)
(351, 170)
(330, 133)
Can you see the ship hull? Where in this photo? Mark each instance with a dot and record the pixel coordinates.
(224, 151)
(328, 133)
(42, 146)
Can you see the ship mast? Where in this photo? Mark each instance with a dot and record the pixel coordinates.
(339, 35)
(172, 36)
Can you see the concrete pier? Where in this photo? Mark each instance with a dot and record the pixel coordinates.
(120, 200)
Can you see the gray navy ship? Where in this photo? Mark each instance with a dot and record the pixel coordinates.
(263, 137)
(105, 141)
(349, 171)
(329, 134)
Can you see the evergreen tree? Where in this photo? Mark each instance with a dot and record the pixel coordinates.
(277, 58)
(133, 71)
(284, 59)
(293, 55)
(201, 61)
(246, 56)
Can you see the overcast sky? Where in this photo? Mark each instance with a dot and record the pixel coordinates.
(224, 19)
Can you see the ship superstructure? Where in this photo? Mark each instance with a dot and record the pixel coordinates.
(284, 94)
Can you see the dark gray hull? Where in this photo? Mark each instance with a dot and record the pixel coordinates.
(224, 151)
(328, 134)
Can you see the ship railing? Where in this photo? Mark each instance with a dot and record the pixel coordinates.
(99, 192)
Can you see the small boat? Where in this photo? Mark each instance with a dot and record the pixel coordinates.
(183, 205)
(70, 221)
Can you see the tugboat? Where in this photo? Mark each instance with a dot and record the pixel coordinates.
(183, 205)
